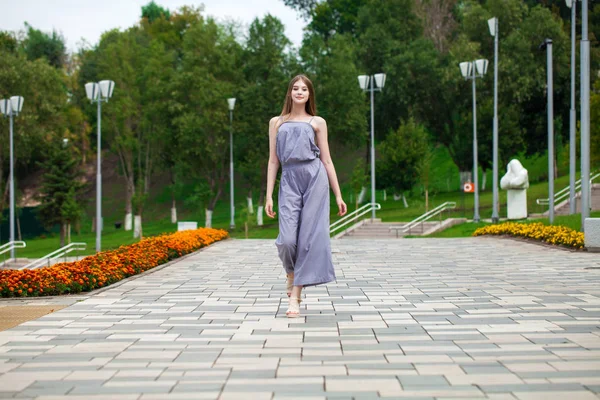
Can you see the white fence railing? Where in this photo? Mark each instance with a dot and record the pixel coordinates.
(353, 216)
(449, 205)
(5, 248)
(566, 192)
(63, 251)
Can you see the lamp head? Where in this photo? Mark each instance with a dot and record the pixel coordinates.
(569, 3)
(481, 66)
(92, 91)
(493, 25)
(363, 81)
(5, 107)
(16, 104)
(231, 103)
(379, 80)
(106, 88)
(466, 68)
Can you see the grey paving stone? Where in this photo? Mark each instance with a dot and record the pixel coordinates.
(480, 310)
(198, 386)
(542, 387)
(430, 381)
(485, 369)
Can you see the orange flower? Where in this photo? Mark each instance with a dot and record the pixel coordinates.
(109, 266)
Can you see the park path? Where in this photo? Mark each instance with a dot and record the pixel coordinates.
(479, 318)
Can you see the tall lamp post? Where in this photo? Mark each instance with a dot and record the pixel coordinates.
(97, 93)
(573, 116)
(231, 104)
(493, 25)
(11, 108)
(363, 81)
(585, 115)
(473, 70)
(547, 45)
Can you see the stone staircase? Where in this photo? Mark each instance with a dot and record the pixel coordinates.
(563, 207)
(377, 229)
(14, 264)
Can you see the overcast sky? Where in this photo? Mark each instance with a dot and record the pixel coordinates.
(88, 19)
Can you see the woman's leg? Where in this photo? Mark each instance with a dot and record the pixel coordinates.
(289, 280)
(297, 292)
(290, 204)
(294, 306)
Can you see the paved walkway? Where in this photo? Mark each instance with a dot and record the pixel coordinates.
(422, 318)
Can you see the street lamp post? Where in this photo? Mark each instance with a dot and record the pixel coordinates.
(493, 25)
(363, 81)
(11, 108)
(573, 117)
(97, 93)
(547, 45)
(231, 103)
(585, 115)
(473, 70)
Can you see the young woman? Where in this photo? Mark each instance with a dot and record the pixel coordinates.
(298, 142)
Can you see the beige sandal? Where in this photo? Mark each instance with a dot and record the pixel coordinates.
(293, 308)
(290, 283)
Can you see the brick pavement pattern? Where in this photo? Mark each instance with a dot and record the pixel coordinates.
(475, 318)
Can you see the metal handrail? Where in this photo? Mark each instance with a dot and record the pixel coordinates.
(63, 251)
(449, 205)
(565, 192)
(353, 216)
(17, 244)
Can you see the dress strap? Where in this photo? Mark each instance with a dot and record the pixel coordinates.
(310, 120)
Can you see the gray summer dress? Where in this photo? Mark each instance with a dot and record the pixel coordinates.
(303, 241)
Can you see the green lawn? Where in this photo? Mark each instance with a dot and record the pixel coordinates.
(111, 239)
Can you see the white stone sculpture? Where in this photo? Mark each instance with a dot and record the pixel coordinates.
(516, 176)
(516, 182)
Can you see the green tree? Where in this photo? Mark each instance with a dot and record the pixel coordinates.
(399, 166)
(170, 33)
(304, 7)
(267, 68)
(333, 17)
(38, 44)
(135, 119)
(153, 11)
(210, 72)
(42, 115)
(8, 43)
(61, 188)
(333, 69)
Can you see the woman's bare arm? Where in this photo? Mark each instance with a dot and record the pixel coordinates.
(321, 132)
(273, 166)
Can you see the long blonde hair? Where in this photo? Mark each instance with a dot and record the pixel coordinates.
(310, 106)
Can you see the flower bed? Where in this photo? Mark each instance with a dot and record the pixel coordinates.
(106, 267)
(553, 234)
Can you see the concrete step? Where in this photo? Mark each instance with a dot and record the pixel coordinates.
(377, 229)
(15, 264)
(595, 202)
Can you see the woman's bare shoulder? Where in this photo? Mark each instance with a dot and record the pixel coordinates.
(276, 120)
(319, 122)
